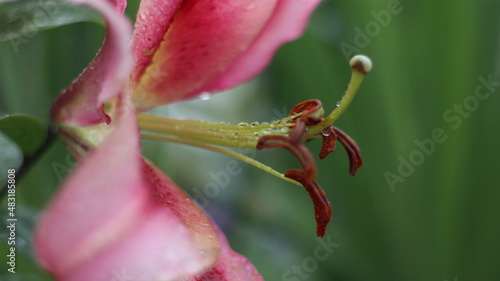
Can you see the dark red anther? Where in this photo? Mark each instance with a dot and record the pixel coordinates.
(298, 132)
(329, 141)
(312, 112)
(352, 149)
(297, 149)
(322, 207)
(312, 115)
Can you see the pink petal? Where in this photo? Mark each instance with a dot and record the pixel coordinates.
(117, 213)
(81, 104)
(229, 267)
(205, 37)
(153, 19)
(287, 23)
(120, 5)
(212, 45)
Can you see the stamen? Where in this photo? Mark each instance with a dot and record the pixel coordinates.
(311, 114)
(322, 207)
(297, 149)
(305, 123)
(352, 149)
(221, 150)
(241, 136)
(329, 141)
(298, 133)
(312, 111)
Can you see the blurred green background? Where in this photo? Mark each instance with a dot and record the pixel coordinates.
(424, 206)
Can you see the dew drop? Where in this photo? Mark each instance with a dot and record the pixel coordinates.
(205, 96)
(326, 133)
(243, 124)
(254, 123)
(338, 104)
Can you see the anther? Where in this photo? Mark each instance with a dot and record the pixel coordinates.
(297, 149)
(312, 111)
(322, 207)
(329, 141)
(352, 149)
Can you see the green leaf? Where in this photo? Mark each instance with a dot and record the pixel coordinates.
(11, 157)
(27, 132)
(21, 20)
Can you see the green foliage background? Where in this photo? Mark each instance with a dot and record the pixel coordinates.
(440, 222)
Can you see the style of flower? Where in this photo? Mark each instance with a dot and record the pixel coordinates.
(117, 212)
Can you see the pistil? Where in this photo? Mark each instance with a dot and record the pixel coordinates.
(361, 65)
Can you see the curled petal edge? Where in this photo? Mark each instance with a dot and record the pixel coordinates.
(82, 103)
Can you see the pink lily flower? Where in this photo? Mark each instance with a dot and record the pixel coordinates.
(118, 216)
